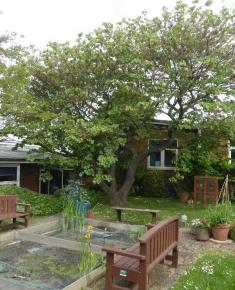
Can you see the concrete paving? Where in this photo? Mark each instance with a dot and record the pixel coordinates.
(12, 284)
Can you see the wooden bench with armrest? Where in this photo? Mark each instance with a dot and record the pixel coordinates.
(135, 264)
(9, 210)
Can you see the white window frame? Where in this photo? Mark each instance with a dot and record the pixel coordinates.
(162, 167)
(15, 182)
(230, 148)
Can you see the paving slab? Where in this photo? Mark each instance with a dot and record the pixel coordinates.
(11, 284)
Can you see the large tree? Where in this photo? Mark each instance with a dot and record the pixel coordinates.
(89, 104)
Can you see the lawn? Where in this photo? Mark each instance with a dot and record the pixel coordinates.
(168, 207)
(213, 271)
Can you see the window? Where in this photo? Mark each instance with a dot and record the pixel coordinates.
(60, 178)
(163, 159)
(9, 174)
(231, 152)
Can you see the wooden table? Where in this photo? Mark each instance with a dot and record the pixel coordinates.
(153, 212)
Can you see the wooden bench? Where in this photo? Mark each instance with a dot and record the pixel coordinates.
(8, 210)
(135, 264)
(153, 212)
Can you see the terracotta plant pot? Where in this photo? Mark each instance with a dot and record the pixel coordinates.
(90, 214)
(220, 232)
(184, 198)
(202, 234)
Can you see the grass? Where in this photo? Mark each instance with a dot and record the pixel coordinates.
(213, 271)
(167, 206)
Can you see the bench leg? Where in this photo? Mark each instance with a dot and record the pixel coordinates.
(26, 221)
(143, 283)
(154, 218)
(109, 275)
(119, 215)
(175, 257)
(14, 222)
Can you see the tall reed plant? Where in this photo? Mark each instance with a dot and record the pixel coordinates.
(89, 259)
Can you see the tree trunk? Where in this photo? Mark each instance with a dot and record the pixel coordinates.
(118, 196)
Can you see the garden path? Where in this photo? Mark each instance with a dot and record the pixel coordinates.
(164, 277)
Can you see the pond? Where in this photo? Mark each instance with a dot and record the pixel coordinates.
(103, 236)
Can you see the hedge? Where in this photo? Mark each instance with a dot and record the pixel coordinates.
(41, 205)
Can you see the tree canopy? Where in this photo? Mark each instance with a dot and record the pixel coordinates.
(88, 104)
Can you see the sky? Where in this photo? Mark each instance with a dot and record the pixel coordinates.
(41, 21)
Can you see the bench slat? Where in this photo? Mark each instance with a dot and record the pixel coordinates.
(136, 209)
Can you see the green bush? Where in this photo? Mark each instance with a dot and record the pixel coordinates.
(154, 183)
(41, 204)
(232, 234)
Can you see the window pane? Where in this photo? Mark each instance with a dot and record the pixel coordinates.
(169, 158)
(8, 173)
(155, 159)
(232, 143)
(153, 144)
(233, 155)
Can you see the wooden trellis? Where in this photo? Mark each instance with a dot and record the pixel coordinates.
(206, 189)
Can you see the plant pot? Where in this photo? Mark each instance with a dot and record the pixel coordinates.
(220, 232)
(184, 198)
(83, 207)
(90, 214)
(202, 234)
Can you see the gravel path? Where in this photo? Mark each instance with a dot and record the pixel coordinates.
(164, 277)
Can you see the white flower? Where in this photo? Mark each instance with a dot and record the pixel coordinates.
(207, 268)
(184, 218)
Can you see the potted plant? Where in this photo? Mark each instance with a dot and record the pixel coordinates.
(184, 196)
(219, 219)
(90, 214)
(200, 229)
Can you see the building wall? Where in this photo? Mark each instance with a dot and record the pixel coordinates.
(29, 176)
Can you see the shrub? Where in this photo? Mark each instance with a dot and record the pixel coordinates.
(41, 204)
(232, 234)
(154, 183)
(93, 196)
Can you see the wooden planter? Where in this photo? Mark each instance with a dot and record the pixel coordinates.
(220, 232)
